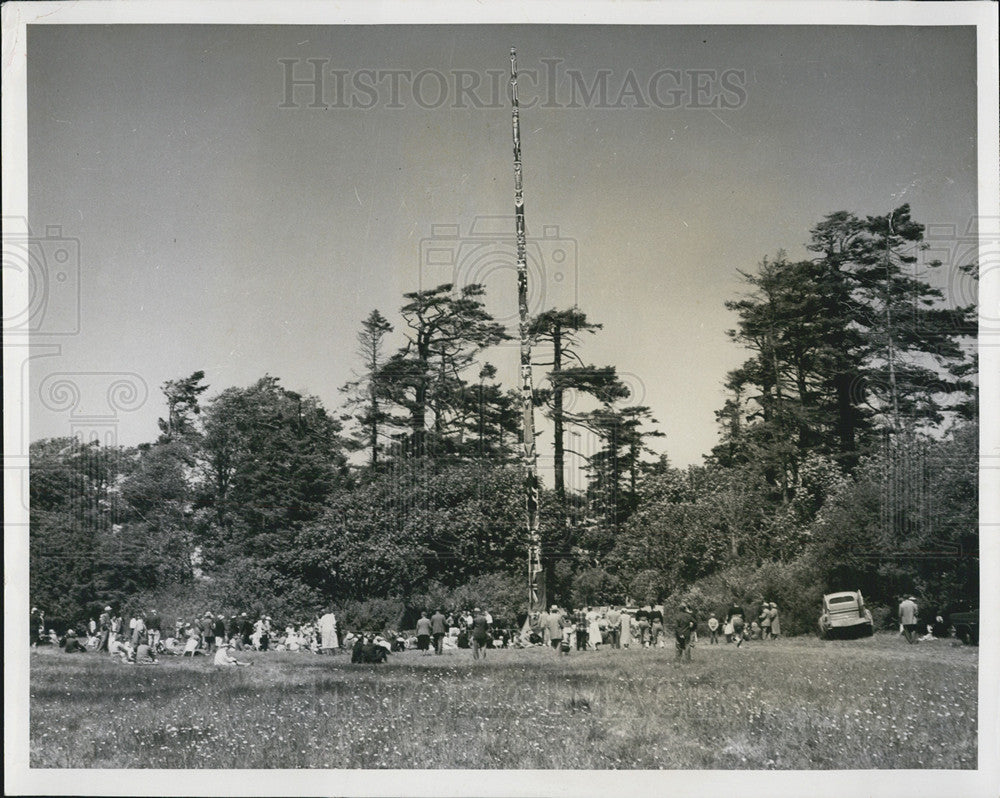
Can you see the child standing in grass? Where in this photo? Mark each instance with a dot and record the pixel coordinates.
(713, 629)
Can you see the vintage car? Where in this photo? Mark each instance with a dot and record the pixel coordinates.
(965, 626)
(844, 615)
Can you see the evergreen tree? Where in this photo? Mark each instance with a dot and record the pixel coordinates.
(367, 394)
(445, 331)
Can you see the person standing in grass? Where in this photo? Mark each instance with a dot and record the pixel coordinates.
(642, 621)
(775, 623)
(480, 633)
(625, 630)
(438, 631)
(104, 627)
(580, 617)
(207, 628)
(908, 618)
(713, 629)
(655, 626)
(424, 628)
(568, 631)
(555, 627)
(219, 629)
(328, 632)
(543, 627)
(153, 628)
(614, 620)
(683, 627)
(765, 621)
(735, 616)
(138, 631)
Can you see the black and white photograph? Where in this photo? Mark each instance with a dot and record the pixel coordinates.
(501, 399)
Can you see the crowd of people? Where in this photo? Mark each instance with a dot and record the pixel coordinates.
(649, 626)
(145, 637)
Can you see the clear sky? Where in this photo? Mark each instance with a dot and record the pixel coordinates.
(220, 231)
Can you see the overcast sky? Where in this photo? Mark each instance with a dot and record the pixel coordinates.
(220, 231)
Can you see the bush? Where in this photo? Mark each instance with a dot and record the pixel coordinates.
(371, 615)
(505, 596)
(595, 586)
(792, 586)
(646, 587)
(882, 617)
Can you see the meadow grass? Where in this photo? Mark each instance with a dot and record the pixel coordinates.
(791, 704)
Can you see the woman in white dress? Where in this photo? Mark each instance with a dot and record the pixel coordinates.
(328, 632)
(626, 640)
(594, 636)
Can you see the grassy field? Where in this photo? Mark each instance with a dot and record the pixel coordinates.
(802, 703)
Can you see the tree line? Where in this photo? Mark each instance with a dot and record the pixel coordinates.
(846, 458)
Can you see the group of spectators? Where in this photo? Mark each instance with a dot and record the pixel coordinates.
(910, 622)
(144, 637)
(588, 628)
(764, 625)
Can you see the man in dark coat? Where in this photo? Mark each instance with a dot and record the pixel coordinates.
(220, 631)
(683, 627)
(438, 631)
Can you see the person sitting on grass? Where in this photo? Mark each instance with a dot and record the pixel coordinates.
(357, 649)
(119, 649)
(224, 657)
(73, 645)
(144, 654)
(367, 650)
(169, 645)
(192, 645)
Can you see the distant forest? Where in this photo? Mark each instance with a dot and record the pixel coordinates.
(847, 458)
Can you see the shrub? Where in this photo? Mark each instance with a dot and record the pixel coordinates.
(371, 615)
(595, 586)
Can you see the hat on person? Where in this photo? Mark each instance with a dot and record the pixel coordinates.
(70, 633)
(913, 598)
(107, 609)
(243, 615)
